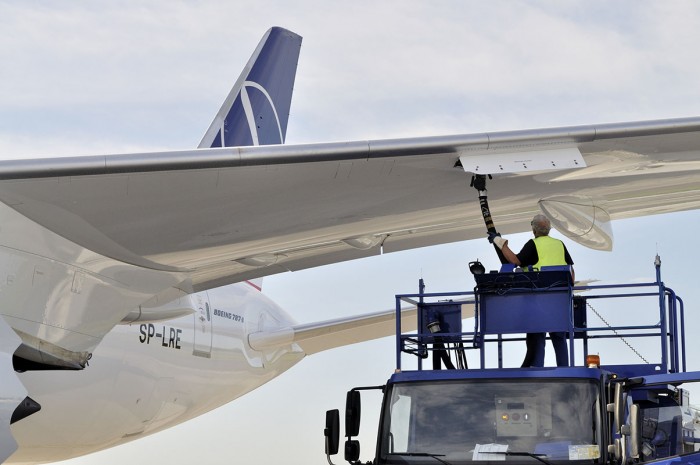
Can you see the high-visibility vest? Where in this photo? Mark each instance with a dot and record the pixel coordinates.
(550, 252)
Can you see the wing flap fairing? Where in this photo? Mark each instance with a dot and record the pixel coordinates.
(581, 219)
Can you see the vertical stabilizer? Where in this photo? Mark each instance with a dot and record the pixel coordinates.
(256, 110)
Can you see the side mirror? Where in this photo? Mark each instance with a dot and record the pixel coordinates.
(352, 450)
(352, 415)
(332, 431)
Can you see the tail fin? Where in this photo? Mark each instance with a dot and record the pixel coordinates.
(256, 110)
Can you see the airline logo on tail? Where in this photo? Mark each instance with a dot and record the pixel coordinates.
(257, 109)
(253, 119)
(248, 109)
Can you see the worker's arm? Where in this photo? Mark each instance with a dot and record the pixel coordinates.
(509, 254)
(502, 244)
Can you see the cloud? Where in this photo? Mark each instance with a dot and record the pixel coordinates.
(160, 69)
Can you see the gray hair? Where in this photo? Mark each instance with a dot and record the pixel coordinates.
(540, 225)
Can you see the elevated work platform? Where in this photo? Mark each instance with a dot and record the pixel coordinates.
(510, 303)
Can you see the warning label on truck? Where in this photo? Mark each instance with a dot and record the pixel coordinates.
(584, 452)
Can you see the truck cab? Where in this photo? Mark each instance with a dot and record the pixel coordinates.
(585, 412)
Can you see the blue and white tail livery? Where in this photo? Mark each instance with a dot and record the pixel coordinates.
(256, 110)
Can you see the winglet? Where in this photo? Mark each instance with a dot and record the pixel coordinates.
(256, 110)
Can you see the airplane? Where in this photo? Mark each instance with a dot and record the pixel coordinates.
(131, 283)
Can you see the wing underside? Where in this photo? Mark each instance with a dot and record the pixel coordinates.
(230, 214)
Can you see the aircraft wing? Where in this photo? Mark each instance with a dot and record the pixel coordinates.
(223, 215)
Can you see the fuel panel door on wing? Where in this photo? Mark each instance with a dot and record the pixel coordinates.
(202, 325)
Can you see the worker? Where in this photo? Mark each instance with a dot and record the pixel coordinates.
(536, 253)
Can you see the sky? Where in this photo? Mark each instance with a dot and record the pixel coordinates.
(121, 76)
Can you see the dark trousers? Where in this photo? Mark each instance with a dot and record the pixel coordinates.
(561, 349)
(534, 356)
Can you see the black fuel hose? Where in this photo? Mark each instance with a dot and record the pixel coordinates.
(479, 183)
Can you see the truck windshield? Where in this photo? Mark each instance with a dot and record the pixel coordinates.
(477, 421)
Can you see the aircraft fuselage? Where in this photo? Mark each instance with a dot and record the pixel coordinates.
(148, 376)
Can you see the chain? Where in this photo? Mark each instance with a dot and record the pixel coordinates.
(616, 333)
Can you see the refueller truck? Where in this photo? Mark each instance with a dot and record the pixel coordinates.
(584, 413)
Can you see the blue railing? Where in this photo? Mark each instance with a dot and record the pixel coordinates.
(508, 304)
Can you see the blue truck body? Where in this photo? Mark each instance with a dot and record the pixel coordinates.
(585, 412)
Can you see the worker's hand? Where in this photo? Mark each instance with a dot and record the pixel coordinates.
(495, 238)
